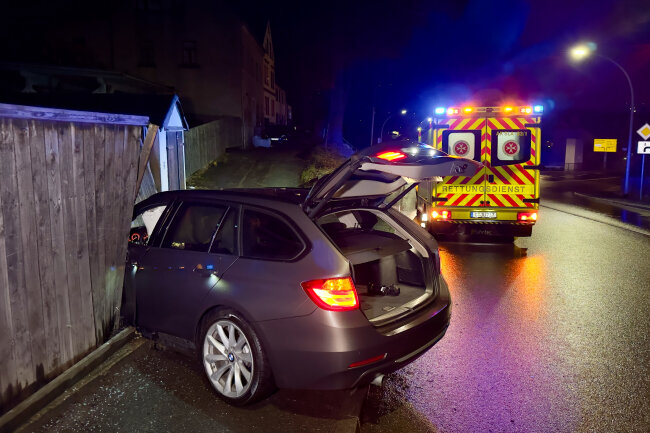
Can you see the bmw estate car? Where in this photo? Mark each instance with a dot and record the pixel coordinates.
(327, 288)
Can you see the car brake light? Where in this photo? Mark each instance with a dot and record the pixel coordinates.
(527, 216)
(333, 294)
(391, 156)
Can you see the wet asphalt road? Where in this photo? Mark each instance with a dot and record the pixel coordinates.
(144, 388)
(551, 334)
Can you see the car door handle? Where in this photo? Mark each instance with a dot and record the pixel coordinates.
(206, 271)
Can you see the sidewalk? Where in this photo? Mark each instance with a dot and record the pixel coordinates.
(145, 389)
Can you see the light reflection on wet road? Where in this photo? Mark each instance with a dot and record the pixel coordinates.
(548, 335)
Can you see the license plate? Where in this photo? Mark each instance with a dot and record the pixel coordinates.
(483, 214)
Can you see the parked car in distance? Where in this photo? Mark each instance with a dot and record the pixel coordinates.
(278, 134)
(321, 288)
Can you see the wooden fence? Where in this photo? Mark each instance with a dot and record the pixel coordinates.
(67, 186)
(207, 142)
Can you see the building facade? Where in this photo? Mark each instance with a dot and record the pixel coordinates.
(203, 50)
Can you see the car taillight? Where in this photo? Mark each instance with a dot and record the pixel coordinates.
(391, 156)
(527, 216)
(333, 294)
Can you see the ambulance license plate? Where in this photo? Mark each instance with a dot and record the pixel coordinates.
(483, 214)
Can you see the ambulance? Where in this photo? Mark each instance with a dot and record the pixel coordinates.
(502, 199)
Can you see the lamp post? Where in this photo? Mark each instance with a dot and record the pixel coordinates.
(381, 133)
(581, 52)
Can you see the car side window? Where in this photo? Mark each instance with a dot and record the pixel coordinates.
(265, 236)
(225, 240)
(143, 225)
(193, 227)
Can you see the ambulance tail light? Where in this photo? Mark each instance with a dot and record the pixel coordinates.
(538, 108)
(526, 110)
(527, 216)
(507, 109)
(440, 110)
(468, 110)
(451, 111)
(443, 214)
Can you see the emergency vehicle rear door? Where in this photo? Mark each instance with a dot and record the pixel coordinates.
(512, 146)
(463, 138)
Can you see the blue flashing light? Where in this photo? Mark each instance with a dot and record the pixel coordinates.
(209, 267)
(440, 110)
(538, 108)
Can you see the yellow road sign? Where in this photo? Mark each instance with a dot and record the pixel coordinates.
(605, 145)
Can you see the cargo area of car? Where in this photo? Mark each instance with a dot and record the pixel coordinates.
(390, 271)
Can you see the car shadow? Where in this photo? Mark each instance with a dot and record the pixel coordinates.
(181, 375)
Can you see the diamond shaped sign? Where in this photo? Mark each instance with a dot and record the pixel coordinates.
(644, 131)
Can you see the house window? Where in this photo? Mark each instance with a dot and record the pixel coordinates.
(272, 107)
(189, 54)
(273, 80)
(266, 103)
(146, 54)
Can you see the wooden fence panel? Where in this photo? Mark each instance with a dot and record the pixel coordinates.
(8, 372)
(44, 246)
(66, 199)
(54, 192)
(208, 142)
(24, 371)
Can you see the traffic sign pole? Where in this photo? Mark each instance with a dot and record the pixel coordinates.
(644, 148)
(642, 169)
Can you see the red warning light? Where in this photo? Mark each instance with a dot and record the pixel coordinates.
(391, 156)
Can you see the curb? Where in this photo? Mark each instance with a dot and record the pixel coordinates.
(41, 398)
(593, 216)
(614, 202)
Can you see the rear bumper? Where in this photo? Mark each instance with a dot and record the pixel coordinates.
(490, 228)
(315, 351)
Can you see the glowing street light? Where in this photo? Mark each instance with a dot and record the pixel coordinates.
(404, 112)
(581, 52)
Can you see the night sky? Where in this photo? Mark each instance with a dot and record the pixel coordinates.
(419, 55)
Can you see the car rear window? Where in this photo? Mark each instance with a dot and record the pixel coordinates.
(266, 236)
(193, 227)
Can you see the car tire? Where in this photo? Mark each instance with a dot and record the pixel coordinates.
(233, 359)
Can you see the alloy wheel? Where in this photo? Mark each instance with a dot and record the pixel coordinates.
(227, 358)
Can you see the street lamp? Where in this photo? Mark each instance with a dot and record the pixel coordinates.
(381, 133)
(581, 52)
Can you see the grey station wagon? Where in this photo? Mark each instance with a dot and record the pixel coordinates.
(327, 288)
